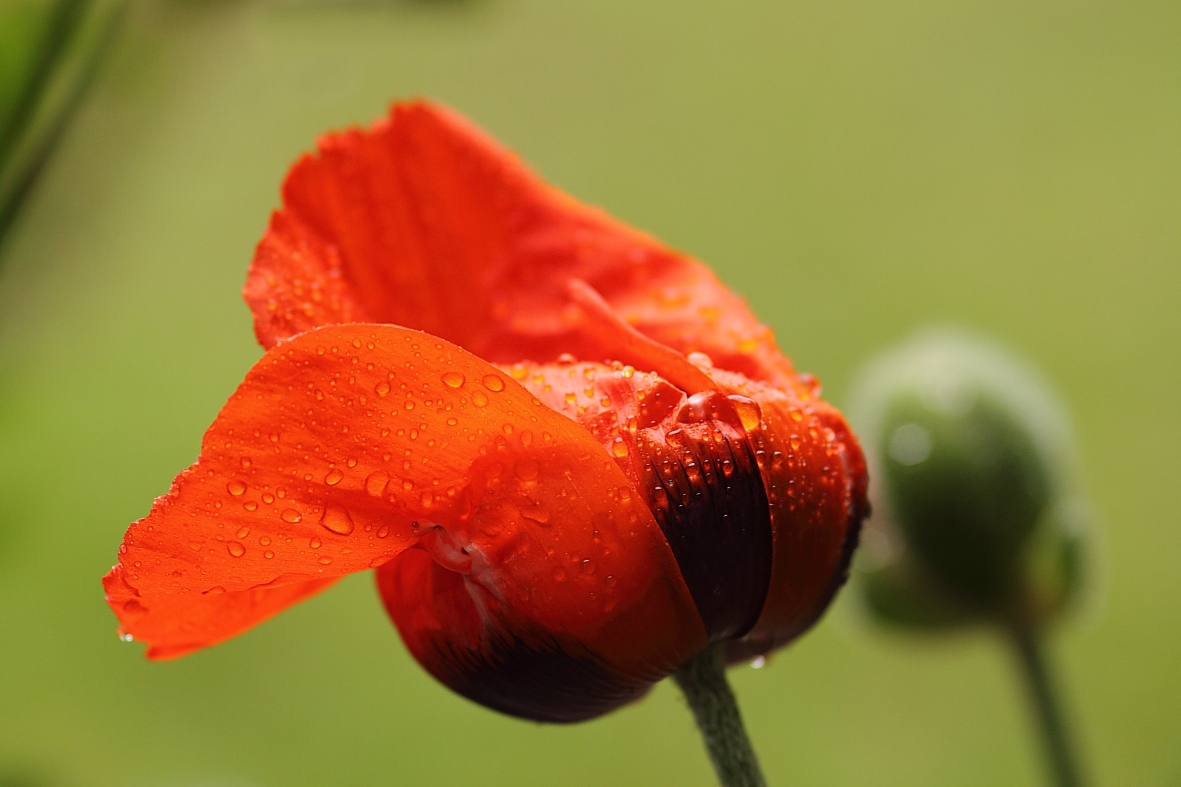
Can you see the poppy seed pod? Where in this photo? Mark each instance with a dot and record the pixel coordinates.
(574, 459)
(977, 513)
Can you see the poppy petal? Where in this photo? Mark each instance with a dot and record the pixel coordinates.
(423, 220)
(691, 460)
(464, 636)
(810, 473)
(814, 474)
(350, 443)
(177, 625)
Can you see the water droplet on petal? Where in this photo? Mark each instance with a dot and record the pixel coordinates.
(236, 487)
(453, 379)
(748, 412)
(236, 549)
(334, 477)
(337, 520)
(587, 567)
(315, 543)
(758, 662)
(291, 516)
(383, 531)
(243, 532)
(493, 382)
(376, 482)
(250, 505)
(480, 399)
(268, 498)
(125, 637)
(619, 448)
(382, 388)
(268, 554)
(536, 514)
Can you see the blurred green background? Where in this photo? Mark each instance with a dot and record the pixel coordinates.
(857, 170)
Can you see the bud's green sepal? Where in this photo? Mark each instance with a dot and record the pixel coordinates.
(976, 510)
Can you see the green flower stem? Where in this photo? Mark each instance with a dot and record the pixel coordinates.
(703, 681)
(1044, 698)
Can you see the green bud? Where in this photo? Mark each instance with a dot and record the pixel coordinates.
(977, 514)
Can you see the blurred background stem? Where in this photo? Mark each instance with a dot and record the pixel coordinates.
(36, 120)
(1047, 707)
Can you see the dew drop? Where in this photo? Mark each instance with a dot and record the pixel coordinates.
(610, 581)
(125, 637)
(587, 567)
(619, 448)
(337, 520)
(236, 549)
(250, 505)
(493, 382)
(315, 543)
(407, 484)
(268, 554)
(748, 412)
(453, 379)
(291, 516)
(383, 531)
(795, 442)
(268, 498)
(243, 532)
(334, 477)
(536, 514)
(324, 561)
(245, 463)
(236, 488)
(758, 662)
(480, 399)
(382, 388)
(409, 404)
(376, 482)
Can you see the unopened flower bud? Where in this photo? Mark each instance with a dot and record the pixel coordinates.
(976, 510)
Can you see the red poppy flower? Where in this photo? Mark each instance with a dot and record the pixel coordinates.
(572, 456)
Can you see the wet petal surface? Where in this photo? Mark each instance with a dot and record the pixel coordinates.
(422, 220)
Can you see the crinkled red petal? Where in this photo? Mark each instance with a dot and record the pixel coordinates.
(422, 220)
(350, 443)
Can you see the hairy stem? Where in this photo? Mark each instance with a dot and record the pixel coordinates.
(703, 681)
